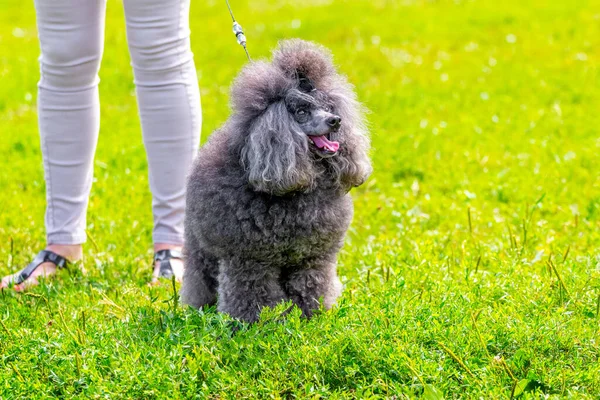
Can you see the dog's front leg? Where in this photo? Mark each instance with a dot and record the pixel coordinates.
(246, 286)
(199, 285)
(316, 280)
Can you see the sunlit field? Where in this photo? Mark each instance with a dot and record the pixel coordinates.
(471, 269)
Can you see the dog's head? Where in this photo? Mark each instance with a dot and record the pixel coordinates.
(300, 120)
(315, 115)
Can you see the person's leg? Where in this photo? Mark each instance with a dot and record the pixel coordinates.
(158, 34)
(71, 37)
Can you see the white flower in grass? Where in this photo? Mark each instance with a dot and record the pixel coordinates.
(18, 32)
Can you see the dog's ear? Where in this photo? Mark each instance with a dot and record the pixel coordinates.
(274, 154)
(258, 85)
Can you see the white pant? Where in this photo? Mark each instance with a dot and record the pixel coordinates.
(71, 34)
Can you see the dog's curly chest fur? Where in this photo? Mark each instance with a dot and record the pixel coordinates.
(291, 227)
(302, 225)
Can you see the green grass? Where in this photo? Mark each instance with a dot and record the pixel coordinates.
(486, 190)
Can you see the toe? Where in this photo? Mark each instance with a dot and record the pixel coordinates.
(8, 280)
(177, 266)
(45, 270)
(155, 272)
(5, 282)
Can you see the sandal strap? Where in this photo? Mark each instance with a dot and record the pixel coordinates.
(165, 257)
(42, 257)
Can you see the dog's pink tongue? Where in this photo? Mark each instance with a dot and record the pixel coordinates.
(323, 143)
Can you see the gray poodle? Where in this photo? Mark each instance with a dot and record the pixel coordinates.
(267, 199)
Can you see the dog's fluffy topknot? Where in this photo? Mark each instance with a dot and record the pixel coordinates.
(261, 83)
(299, 56)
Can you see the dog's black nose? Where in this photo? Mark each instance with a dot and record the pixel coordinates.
(334, 121)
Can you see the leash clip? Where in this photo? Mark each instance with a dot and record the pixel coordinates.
(239, 33)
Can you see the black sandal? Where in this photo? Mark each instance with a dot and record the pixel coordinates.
(165, 257)
(42, 257)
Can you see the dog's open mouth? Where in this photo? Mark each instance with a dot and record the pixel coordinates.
(324, 145)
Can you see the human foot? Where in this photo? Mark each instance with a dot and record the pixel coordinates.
(71, 253)
(170, 256)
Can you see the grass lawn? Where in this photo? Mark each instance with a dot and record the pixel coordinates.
(472, 267)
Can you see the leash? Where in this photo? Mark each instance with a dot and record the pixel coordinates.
(239, 32)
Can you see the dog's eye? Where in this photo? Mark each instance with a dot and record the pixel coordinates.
(301, 112)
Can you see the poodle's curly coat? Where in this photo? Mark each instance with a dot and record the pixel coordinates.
(265, 215)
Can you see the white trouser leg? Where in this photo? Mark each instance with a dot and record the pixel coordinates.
(169, 104)
(71, 34)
